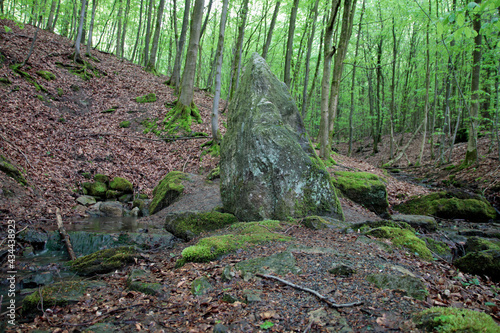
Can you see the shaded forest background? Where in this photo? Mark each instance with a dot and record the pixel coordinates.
(355, 68)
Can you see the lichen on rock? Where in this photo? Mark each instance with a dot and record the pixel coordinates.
(269, 169)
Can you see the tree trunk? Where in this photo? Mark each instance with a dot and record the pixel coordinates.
(235, 69)
(57, 15)
(148, 34)
(265, 49)
(124, 29)
(151, 66)
(289, 44)
(119, 34)
(175, 79)
(78, 56)
(329, 51)
(393, 88)
(308, 58)
(91, 28)
(138, 32)
(187, 91)
(427, 86)
(353, 82)
(345, 36)
(471, 154)
(219, 56)
(50, 20)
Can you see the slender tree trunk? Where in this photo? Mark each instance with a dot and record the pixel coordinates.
(148, 34)
(345, 36)
(219, 56)
(427, 87)
(106, 24)
(78, 56)
(91, 28)
(235, 70)
(471, 154)
(57, 16)
(308, 59)
(124, 29)
(138, 32)
(497, 111)
(265, 49)
(329, 51)
(175, 79)
(119, 34)
(187, 91)
(353, 83)
(393, 88)
(289, 44)
(50, 20)
(151, 66)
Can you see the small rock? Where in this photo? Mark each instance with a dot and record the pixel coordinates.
(229, 298)
(342, 270)
(417, 221)
(252, 295)
(135, 211)
(201, 286)
(219, 328)
(111, 208)
(86, 200)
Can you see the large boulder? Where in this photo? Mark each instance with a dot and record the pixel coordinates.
(269, 169)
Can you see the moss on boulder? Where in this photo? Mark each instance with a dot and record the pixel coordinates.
(449, 319)
(476, 244)
(449, 205)
(405, 238)
(148, 98)
(364, 188)
(10, 170)
(269, 168)
(96, 189)
(188, 225)
(412, 285)
(481, 263)
(167, 191)
(142, 281)
(243, 235)
(57, 294)
(99, 177)
(103, 261)
(122, 185)
(315, 223)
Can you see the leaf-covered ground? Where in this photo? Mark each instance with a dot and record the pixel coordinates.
(56, 138)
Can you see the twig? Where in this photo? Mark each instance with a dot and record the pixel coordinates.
(19, 150)
(184, 167)
(64, 234)
(325, 299)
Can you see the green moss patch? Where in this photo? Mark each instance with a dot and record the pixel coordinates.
(148, 98)
(121, 184)
(190, 224)
(57, 294)
(180, 117)
(97, 189)
(99, 177)
(447, 320)
(450, 206)
(243, 234)
(167, 191)
(125, 124)
(142, 281)
(364, 188)
(49, 76)
(481, 263)
(368, 225)
(10, 170)
(405, 238)
(103, 261)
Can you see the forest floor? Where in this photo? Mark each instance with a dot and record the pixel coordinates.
(55, 137)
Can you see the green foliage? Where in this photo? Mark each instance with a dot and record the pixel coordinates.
(49, 76)
(180, 118)
(266, 325)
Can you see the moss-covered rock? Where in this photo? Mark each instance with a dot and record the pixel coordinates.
(188, 225)
(57, 294)
(112, 194)
(142, 281)
(201, 286)
(439, 248)
(405, 238)
(10, 170)
(49, 76)
(167, 191)
(96, 189)
(364, 188)
(122, 185)
(481, 263)
(99, 177)
(476, 244)
(243, 235)
(139, 203)
(315, 223)
(214, 173)
(412, 285)
(368, 225)
(148, 98)
(280, 263)
(448, 320)
(103, 261)
(269, 168)
(417, 221)
(449, 205)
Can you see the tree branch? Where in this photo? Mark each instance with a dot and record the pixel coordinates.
(325, 299)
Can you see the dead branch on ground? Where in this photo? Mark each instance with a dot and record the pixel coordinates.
(64, 234)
